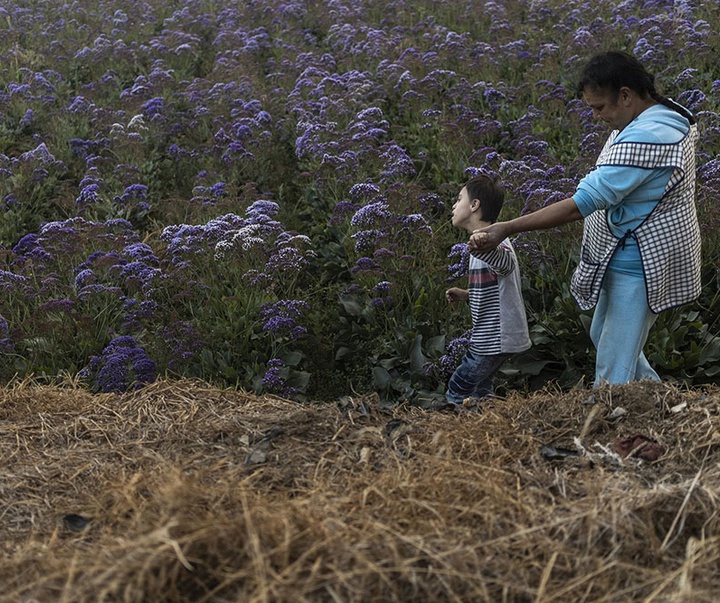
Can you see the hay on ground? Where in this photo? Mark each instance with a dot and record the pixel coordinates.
(181, 492)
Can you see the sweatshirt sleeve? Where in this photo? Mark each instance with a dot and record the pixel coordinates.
(501, 260)
(608, 185)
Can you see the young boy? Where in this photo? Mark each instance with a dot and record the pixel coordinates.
(499, 323)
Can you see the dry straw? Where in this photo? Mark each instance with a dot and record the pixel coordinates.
(181, 492)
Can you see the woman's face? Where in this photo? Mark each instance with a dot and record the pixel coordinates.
(615, 110)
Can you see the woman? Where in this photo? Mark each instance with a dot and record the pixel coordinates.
(640, 252)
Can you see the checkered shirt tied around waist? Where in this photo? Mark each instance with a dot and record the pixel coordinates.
(668, 239)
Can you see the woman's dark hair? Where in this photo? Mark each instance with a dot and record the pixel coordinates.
(612, 70)
(490, 193)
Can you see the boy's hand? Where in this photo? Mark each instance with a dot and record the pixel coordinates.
(455, 294)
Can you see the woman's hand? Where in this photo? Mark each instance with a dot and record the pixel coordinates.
(488, 238)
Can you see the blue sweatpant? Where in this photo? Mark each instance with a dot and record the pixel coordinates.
(619, 330)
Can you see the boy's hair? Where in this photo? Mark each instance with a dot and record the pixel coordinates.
(613, 70)
(490, 193)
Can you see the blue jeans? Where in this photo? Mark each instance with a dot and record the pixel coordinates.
(474, 377)
(620, 328)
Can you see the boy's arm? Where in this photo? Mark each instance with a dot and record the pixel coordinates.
(501, 259)
(455, 294)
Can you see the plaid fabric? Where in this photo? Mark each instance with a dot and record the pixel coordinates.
(668, 239)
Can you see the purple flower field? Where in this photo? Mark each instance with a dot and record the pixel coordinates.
(257, 193)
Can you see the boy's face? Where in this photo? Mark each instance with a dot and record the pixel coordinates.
(462, 210)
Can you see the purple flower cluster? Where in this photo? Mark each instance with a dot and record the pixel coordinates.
(187, 241)
(280, 318)
(122, 365)
(134, 197)
(7, 345)
(209, 195)
(381, 295)
(267, 252)
(461, 254)
(183, 342)
(454, 352)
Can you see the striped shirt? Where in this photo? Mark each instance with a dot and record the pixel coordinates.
(496, 302)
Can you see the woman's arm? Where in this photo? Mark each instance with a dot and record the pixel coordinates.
(557, 214)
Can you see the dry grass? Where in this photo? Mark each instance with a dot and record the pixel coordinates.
(183, 492)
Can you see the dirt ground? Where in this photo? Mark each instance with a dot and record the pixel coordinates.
(185, 492)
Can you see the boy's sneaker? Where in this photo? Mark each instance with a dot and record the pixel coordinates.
(444, 406)
(434, 401)
(472, 404)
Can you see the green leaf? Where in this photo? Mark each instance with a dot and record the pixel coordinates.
(417, 358)
(293, 358)
(531, 367)
(381, 378)
(352, 306)
(711, 352)
(435, 346)
(586, 322)
(298, 380)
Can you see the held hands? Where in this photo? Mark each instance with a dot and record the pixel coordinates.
(486, 239)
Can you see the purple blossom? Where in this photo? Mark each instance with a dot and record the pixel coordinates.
(692, 99)
(382, 297)
(10, 280)
(88, 195)
(79, 105)
(26, 244)
(262, 208)
(27, 119)
(416, 223)
(154, 107)
(191, 240)
(364, 190)
(132, 194)
(57, 305)
(398, 164)
(377, 213)
(365, 264)
(367, 239)
(84, 277)
(139, 251)
(382, 288)
(184, 341)
(9, 200)
(460, 268)
(287, 259)
(273, 380)
(121, 366)
(280, 318)
(40, 156)
(136, 312)
(448, 362)
(257, 279)
(141, 272)
(4, 327)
